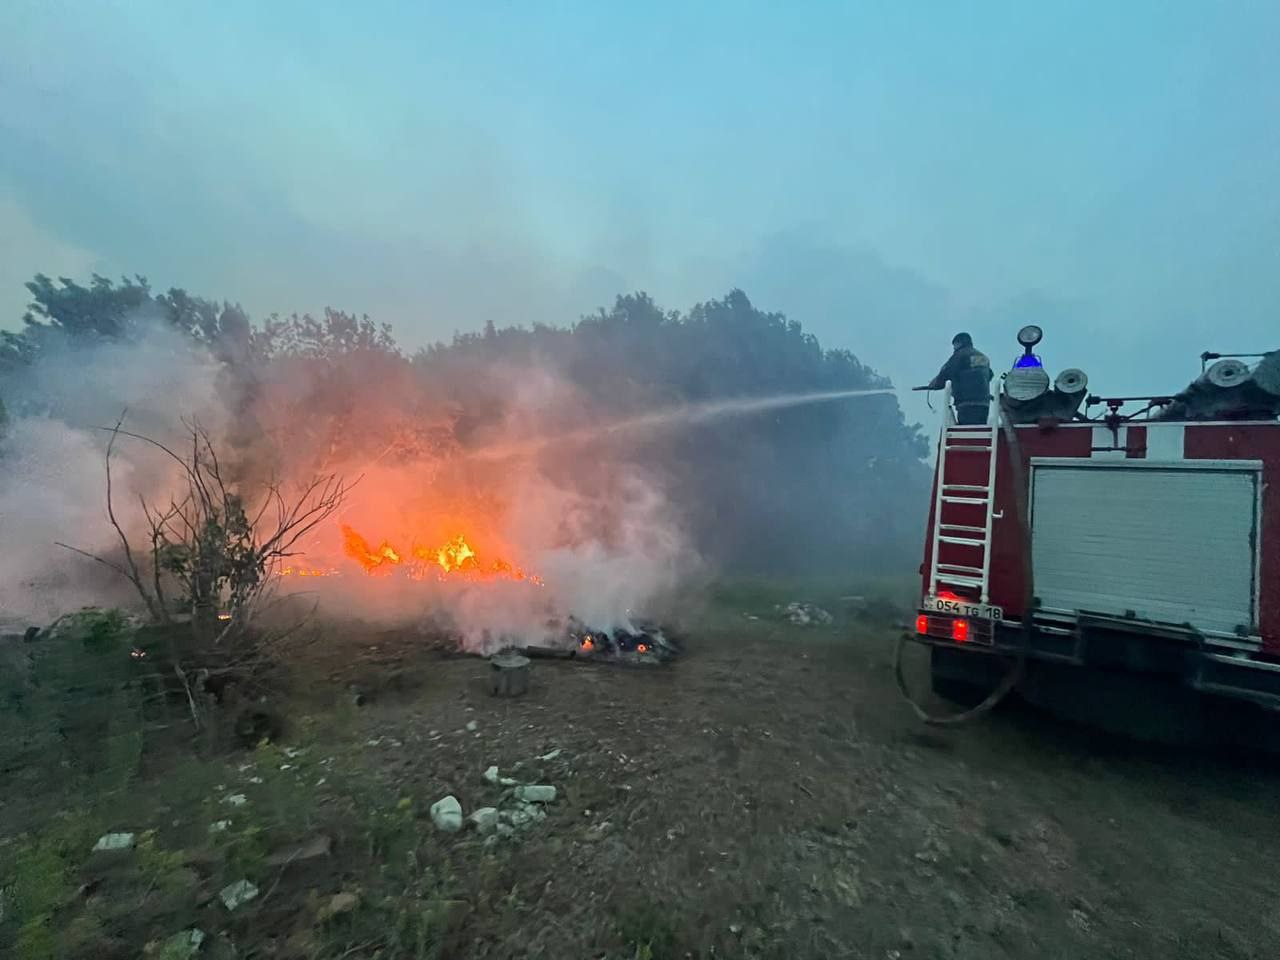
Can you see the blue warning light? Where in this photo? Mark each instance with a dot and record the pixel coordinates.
(1028, 360)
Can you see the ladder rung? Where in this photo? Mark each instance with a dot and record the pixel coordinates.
(969, 428)
(960, 581)
(961, 528)
(967, 448)
(964, 541)
(978, 500)
(958, 568)
(973, 487)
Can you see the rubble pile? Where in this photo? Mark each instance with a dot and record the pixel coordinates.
(517, 806)
(637, 642)
(805, 614)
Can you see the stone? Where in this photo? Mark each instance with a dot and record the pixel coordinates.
(236, 800)
(472, 726)
(114, 843)
(181, 946)
(536, 793)
(491, 775)
(220, 826)
(341, 903)
(236, 895)
(485, 820)
(446, 814)
(316, 848)
(524, 814)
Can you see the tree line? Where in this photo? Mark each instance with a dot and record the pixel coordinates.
(827, 487)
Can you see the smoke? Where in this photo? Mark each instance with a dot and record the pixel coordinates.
(52, 461)
(577, 530)
(562, 530)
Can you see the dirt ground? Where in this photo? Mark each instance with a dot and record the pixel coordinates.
(770, 796)
(766, 796)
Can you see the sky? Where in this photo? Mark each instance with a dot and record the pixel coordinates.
(885, 173)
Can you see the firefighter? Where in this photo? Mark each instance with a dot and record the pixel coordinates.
(970, 374)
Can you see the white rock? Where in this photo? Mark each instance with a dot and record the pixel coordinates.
(491, 775)
(112, 842)
(238, 894)
(219, 826)
(536, 793)
(472, 726)
(552, 755)
(523, 815)
(182, 946)
(446, 814)
(485, 820)
(236, 800)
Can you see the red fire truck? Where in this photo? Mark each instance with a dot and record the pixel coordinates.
(1111, 556)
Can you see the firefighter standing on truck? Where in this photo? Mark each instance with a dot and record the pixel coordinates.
(970, 374)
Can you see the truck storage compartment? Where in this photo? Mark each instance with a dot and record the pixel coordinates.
(1167, 542)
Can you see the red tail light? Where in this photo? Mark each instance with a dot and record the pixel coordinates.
(922, 624)
(959, 630)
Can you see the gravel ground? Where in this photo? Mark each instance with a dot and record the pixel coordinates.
(770, 796)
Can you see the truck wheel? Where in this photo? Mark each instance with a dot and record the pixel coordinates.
(966, 679)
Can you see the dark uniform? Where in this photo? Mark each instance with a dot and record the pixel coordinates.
(970, 374)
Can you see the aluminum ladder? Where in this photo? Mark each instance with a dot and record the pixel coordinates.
(963, 444)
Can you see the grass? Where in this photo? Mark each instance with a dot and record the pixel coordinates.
(78, 731)
(93, 752)
(879, 594)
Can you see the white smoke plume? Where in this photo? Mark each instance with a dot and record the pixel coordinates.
(52, 462)
(591, 534)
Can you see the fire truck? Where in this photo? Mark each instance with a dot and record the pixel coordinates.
(1123, 552)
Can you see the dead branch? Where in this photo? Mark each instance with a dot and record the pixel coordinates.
(93, 556)
(158, 615)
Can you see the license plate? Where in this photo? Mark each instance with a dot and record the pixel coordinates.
(963, 608)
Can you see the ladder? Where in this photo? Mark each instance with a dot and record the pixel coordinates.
(968, 454)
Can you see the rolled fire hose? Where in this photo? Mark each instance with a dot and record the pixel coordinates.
(1018, 665)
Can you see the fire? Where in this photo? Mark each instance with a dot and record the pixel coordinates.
(456, 557)
(588, 643)
(292, 571)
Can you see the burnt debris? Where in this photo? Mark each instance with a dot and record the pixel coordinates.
(641, 643)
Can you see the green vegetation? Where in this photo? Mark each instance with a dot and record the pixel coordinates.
(200, 821)
(796, 492)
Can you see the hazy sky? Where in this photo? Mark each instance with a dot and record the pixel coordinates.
(883, 172)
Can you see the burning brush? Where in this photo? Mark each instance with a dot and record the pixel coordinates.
(644, 643)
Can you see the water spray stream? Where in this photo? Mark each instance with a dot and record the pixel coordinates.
(684, 415)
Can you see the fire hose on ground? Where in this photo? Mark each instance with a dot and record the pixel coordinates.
(1014, 675)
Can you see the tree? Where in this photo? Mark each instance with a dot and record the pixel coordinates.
(216, 545)
(336, 333)
(66, 313)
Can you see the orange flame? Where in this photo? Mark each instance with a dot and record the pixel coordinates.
(455, 558)
(292, 571)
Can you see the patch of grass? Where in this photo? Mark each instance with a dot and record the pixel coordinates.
(883, 596)
(39, 874)
(650, 931)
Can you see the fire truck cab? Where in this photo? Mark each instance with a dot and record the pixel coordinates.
(1109, 554)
